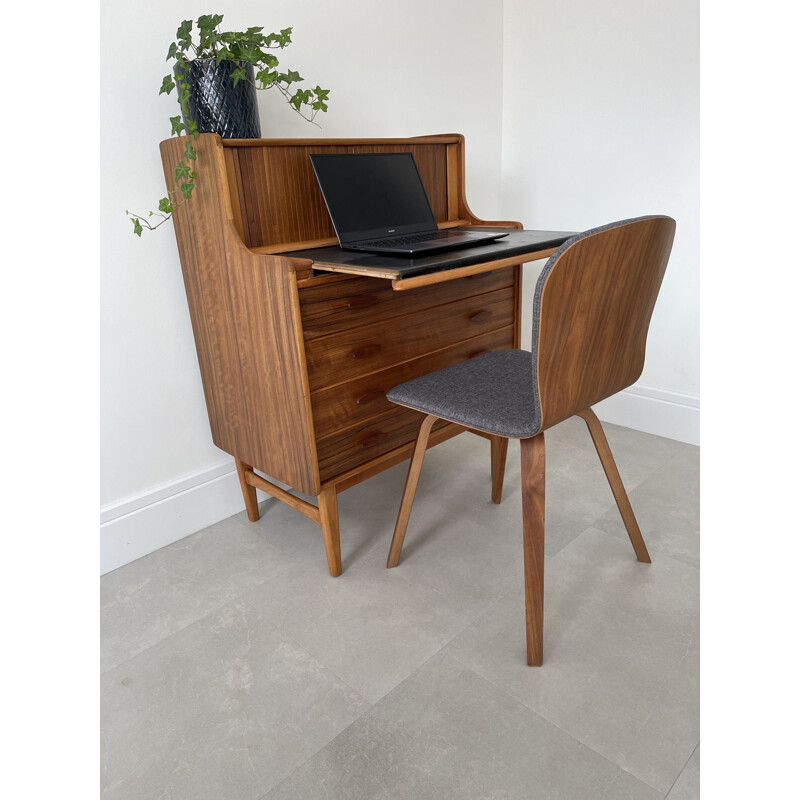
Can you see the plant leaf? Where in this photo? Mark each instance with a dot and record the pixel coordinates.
(181, 172)
(167, 85)
(267, 77)
(164, 205)
(173, 51)
(187, 189)
(177, 125)
(248, 52)
(137, 227)
(238, 75)
(190, 153)
(185, 30)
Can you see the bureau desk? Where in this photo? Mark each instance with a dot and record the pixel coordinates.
(296, 354)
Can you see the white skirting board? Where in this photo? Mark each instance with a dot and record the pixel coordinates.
(656, 411)
(134, 527)
(151, 520)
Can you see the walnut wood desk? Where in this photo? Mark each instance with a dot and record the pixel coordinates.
(295, 361)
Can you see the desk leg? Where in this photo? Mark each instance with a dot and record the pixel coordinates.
(249, 492)
(329, 519)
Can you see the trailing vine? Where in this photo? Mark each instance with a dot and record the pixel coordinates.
(242, 48)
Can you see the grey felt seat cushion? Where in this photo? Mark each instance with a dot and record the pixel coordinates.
(492, 392)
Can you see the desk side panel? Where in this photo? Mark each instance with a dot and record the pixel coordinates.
(245, 319)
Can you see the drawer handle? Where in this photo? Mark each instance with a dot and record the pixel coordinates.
(372, 439)
(362, 301)
(366, 351)
(370, 397)
(475, 316)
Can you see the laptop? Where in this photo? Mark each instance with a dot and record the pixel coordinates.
(377, 204)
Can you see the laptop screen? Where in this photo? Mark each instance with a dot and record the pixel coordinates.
(373, 195)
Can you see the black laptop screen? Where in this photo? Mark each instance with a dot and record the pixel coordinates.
(372, 195)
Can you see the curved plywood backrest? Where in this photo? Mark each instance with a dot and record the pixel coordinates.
(592, 310)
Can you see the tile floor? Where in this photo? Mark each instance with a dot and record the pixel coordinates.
(235, 668)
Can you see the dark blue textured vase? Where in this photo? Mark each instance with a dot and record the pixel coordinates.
(216, 106)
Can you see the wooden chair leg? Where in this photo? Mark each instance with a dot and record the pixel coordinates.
(533, 495)
(499, 450)
(329, 519)
(612, 473)
(249, 492)
(412, 479)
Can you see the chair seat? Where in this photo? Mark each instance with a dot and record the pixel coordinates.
(492, 392)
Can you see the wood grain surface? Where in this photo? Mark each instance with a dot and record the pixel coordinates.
(596, 306)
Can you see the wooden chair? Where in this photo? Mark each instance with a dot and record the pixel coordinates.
(591, 312)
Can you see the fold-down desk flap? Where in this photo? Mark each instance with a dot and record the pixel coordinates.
(408, 273)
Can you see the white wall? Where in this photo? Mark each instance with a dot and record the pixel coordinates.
(575, 114)
(601, 122)
(389, 75)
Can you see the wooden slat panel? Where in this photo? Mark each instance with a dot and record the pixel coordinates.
(279, 199)
(363, 301)
(350, 354)
(356, 401)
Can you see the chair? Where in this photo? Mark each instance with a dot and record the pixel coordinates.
(591, 311)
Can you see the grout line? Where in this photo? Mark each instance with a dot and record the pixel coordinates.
(539, 714)
(357, 719)
(681, 771)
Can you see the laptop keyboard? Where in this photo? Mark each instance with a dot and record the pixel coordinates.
(412, 238)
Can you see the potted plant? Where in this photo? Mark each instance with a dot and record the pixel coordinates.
(216, 74)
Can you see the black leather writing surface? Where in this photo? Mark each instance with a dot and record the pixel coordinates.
(517, 243)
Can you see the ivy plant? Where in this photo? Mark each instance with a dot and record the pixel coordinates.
(242, 48)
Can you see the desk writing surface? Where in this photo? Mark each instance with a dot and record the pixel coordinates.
(518, 243)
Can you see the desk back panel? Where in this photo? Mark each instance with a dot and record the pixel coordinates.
(276, 198)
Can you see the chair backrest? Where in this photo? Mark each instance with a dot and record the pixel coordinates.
(591, 312)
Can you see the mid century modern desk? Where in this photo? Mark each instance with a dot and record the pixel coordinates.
(295, 362)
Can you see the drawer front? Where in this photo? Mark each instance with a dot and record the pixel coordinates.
(356, 401)
(351, 354)
(342, 305)
(362, 443)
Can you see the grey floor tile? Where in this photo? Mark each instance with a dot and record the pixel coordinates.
(232, 656)
(371, 627)
(667, 507)
(153, 597)
(225, 708)
(621, 654)
(687, 787)
(374, 626)
(447, 733)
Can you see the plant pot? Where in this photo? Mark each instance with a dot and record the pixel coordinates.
(215, 105)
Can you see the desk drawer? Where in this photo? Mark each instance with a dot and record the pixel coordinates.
(360, 399)
(353, 353)
(357, 445)
(342, 305)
